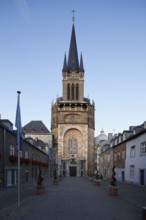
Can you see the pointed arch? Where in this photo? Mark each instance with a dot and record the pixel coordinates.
(77, 91)
(73, 90)
(68, 91)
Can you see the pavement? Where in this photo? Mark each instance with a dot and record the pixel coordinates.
(74, 198)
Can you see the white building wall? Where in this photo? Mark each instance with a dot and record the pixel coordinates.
(119, 174)
(138, 161)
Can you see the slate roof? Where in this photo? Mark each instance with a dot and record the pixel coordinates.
(73, 62)
(65, 64)
(8, 124)
(36, 143)
(81, 64)
(36, 127)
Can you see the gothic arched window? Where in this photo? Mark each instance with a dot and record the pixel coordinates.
(77, 91)
(73, 89)
(68, 91)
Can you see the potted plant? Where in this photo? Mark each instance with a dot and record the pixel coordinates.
(113, 187)
(40, 186)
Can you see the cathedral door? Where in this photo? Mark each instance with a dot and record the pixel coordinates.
(73, 171)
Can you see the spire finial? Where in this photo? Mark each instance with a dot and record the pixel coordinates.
(73, 17)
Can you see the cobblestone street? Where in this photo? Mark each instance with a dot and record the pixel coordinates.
(77, 199)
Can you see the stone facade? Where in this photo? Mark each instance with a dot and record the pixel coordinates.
(106, 163)
(99, 142)
(72, 119)
(69, 125)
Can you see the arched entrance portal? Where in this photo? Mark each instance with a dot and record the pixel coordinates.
(73, 168)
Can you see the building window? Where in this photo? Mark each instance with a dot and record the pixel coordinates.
(26, 154)
(77, 91)
(123, 154)
(116, 141)
(12, 150)
(132, 170)
(68, 91)
(132, 151)
(73, 91)
(143, 149)
(64, 165)
(72, 145)
(20, 154)
(119, 155)
(119, 139)
(115, 157)
(108, 157)
(82, 164)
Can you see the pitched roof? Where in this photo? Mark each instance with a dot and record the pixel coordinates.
(36, 127)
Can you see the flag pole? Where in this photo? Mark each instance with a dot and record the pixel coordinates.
(18, 140)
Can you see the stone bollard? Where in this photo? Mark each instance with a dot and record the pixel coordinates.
(143, 213)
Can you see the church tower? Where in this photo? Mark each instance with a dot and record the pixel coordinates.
(72, 119)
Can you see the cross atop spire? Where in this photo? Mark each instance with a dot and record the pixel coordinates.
(73, 17)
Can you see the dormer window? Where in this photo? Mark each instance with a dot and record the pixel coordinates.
(33, 129)
(42, 130)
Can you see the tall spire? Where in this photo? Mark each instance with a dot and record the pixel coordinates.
(73, 62)
(65, 64)
(81, 64)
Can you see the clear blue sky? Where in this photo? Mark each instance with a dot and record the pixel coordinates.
(35, 34)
